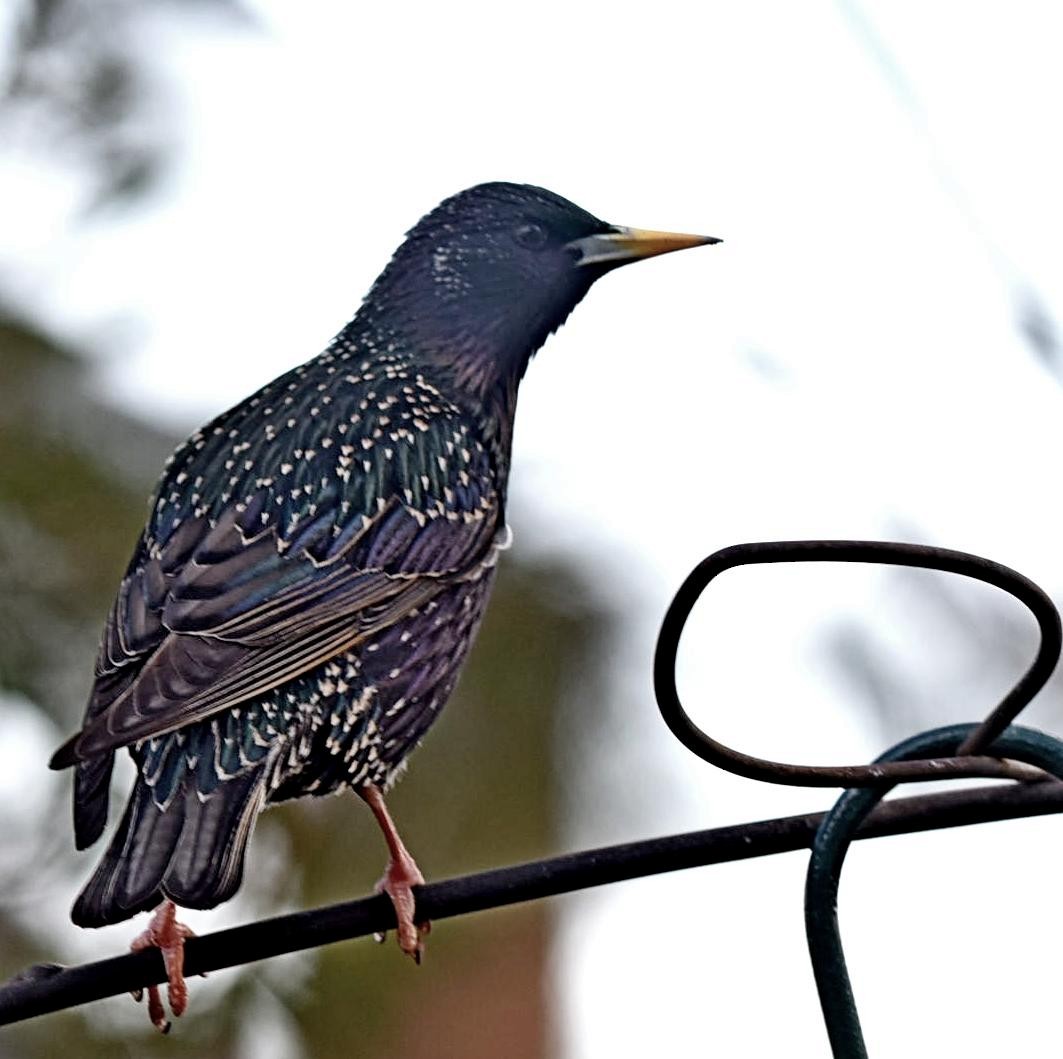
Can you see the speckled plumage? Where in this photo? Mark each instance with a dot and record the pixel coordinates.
(318, 558)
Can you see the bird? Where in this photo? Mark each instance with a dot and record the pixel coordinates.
(316, 562)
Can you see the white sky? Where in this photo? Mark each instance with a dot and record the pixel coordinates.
(876, 209)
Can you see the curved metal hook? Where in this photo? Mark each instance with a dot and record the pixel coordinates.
(832, 842)
(973, 566)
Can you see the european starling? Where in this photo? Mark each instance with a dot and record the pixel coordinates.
(317, 560)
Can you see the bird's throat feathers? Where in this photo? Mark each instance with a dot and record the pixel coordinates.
(477, 344)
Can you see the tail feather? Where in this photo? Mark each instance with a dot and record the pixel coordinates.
(208, 863)
(92, 782)
(192, 852)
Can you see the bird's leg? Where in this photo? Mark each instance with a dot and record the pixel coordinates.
(167, 935)
(401, 875)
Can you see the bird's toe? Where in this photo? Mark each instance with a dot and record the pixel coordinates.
(168, 935)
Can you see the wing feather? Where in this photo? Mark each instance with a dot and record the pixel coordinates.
(231, 601)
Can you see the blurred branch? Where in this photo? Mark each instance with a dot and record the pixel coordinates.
(80, 82)
(1040, 330)
(76, 87)
(978, 642)
(1033, 318)
(47, 988)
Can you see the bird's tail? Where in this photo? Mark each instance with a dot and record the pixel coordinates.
(92, 785)
(191, 852)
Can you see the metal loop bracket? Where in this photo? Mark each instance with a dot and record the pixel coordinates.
(969, 759)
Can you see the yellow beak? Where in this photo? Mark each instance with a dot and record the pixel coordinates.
(621, 245)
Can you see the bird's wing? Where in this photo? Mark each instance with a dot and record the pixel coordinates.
(235, 605)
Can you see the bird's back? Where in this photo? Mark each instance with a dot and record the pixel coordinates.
(307, 553)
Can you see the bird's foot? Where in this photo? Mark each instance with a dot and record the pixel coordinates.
(167, 935)
(401, 876)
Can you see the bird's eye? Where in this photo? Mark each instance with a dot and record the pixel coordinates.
(531, 236)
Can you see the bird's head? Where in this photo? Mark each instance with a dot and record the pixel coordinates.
(484, 279)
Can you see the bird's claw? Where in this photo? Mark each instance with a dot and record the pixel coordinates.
(398, 883)
(167, 935)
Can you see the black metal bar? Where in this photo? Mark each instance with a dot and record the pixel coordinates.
(914, 555)
(49, 988)
(831, 844)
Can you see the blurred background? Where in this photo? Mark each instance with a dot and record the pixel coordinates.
(194, 197)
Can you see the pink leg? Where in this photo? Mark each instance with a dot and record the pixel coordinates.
(400, 876)
(168, 935)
